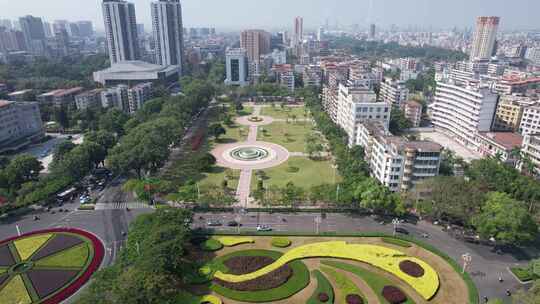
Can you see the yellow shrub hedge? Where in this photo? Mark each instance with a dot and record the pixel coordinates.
(230, 241)
(384, 258)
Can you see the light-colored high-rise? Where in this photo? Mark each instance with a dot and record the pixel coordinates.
(121, 30)
(298, 30)
(168, 32)
(236, 63)
(484, 38)
(256, 43)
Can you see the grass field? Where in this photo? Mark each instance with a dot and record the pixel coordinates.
(278, 113)
(296, 139)
(217, 176)
(311, 173)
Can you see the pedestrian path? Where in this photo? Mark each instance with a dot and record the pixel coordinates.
(244, 186)
(121, 206)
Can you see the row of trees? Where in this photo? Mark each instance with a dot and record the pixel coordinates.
(494, 199)
(151, 265)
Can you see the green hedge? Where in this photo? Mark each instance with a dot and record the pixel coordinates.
(281, 242)
(523, 274)
(396, 242)
(323, 286)
(297, 282)
(473, 291)
(211, 245)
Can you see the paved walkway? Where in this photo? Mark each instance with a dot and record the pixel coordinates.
(244, 186)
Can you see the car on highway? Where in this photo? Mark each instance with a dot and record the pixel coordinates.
(402, 230)
(263, 228)
(213, 223)
(233, 224)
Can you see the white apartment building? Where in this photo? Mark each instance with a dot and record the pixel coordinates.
(312, 76)
(413, 112)
(531, 149)
(121, 30)
(358, 104)
(89, 99)
(138, 95)
(530, 120)
(236, 64)
(18, 121)
(168, 32)
(462, 111)
(395, 162)
(116, 97)
(394, 92)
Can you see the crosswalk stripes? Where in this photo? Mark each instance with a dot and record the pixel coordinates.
(121, 205)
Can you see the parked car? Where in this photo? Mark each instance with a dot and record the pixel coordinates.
(263, 228)
(402, 230)
(213, 223)
(233, 224)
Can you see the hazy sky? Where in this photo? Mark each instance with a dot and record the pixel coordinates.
(271, 14)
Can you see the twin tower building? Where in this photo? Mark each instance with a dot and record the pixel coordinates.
(122, 36)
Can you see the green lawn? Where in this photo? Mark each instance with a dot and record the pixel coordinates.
(275, 133)
(374, 281)
(217, 176)
(522, 274)
(311, 173)
(235, 133)
(15, 292)
(74, 257)
(343, 284)
(278, 113)
(323, 286)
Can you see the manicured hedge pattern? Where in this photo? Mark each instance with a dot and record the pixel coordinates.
(524, 275)
(323, 288)
(281, 242)
(269, 281)
(354, 299)
(247, 264)
(211, 245)
(471, 287)
(397, 242)
(297, 282)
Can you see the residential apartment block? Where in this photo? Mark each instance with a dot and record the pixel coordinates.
(138, 95)
(394, 92)
(413, 112)
(60, 97)
(531, 150)
(501, 145)
(510, 111)
(90, 99)
(463, 111)
(358, 104)
(397, 163)
(20, 123)
(530, 120)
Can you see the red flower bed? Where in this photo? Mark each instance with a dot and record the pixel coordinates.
(354, 299)
(393, 295)
(411, 268)
(74, 286)
(323, 297)
(247, 264)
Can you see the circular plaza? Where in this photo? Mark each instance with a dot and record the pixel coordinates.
(250, 155)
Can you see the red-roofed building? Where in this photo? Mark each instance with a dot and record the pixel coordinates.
(499, 144)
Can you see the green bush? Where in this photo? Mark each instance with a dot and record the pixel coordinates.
(87, 207)
(297, 282)
(281, 242)
(211, 245)
(396, 242)
(323, 286)
(523, 274)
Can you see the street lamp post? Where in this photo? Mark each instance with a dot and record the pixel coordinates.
(467, 259)
(395, 222)
(238, 218)
(318, 221)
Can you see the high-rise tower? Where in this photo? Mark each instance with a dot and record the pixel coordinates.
(121, 30)
(168, 32)
(484, 38)
(298, 30)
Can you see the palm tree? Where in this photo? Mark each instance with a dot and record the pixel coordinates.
(527, 165)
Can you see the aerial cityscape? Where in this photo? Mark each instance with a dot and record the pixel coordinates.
(192, 152)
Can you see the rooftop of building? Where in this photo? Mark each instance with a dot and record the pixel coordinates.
(424, 146)
(91, 92)
(21, 92)
(137, 66)
(507, 140)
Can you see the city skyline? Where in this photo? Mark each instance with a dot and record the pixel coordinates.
(383, 13)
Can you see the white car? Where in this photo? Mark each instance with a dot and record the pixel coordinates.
(263, 228)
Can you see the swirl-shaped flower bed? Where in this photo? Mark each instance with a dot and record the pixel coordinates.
(47, 266)
(381, 257)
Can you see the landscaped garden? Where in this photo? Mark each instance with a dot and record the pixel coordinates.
(47, 266)
(316, 270)
(289, 135)
(286, 112)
